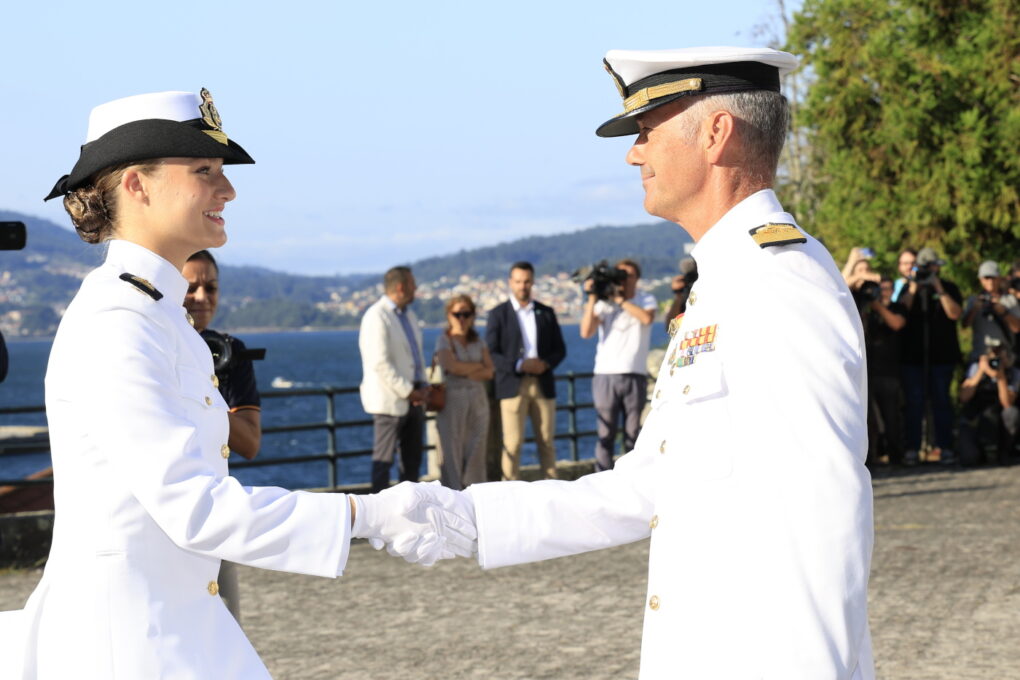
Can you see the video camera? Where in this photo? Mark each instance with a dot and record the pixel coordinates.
(224, 357)
(606, 281)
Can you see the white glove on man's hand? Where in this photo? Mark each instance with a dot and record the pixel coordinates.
(422, 523)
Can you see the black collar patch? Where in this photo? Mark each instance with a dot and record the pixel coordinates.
(142, 285)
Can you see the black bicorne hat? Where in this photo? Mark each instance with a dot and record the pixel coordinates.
(148, 126)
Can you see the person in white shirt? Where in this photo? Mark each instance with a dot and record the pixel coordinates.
(620, 384)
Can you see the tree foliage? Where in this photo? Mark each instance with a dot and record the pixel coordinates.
(914, 125)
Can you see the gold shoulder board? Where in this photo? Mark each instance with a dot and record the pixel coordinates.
(777, 234)
(142, 285)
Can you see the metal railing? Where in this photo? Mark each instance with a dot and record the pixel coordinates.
(332, 456)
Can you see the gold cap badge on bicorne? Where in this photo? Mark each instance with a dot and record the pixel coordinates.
(211, 117)
(776, 234)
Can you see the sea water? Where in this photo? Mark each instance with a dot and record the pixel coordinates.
(300, 360)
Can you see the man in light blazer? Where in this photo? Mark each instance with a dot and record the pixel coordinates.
(526, 344)
(393, 385)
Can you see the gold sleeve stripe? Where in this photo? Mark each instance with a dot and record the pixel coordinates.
(245, 408)
(645, 96)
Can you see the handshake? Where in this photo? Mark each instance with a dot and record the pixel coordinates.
(422, 523)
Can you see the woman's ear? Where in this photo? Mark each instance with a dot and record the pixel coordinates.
(135, 186)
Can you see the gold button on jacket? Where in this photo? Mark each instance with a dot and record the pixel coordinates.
(655, 522)
(653, 603)
(213, 588)
(225, 451)
(215, 380)
(208, 401)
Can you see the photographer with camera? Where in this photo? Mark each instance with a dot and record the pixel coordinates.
(930, 353)
(681, 287)
(988, 396)
(992, 313)
(882, 320)
(235, 378)
(623, 317)
(905, 267)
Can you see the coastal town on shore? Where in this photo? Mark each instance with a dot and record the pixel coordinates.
(347, 304)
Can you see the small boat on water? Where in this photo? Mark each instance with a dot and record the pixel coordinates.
(281, 383)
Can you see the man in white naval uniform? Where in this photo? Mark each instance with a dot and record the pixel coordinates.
(749, 473)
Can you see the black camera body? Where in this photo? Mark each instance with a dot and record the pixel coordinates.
(12, 235)
(995, 351)
(924, 274)
(987, 302)
(606, 281)
(223, 354)
(869, 292)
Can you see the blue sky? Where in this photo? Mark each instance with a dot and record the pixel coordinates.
(383, 132)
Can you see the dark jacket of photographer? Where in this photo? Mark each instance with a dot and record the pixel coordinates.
(881, 341)
(943, 344)
(237, 378)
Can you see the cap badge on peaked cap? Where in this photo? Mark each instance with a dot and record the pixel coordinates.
(211, 117)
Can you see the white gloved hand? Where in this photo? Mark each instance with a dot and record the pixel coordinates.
(422, 523)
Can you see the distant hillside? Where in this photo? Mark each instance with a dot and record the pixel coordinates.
(37, 283)
(657, 247)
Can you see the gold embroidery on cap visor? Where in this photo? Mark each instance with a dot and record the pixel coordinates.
(211, 117)
(648, 94)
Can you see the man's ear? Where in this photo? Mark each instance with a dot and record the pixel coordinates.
(135, 186)
(719, 130)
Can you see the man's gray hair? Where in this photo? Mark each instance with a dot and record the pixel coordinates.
(762, 121)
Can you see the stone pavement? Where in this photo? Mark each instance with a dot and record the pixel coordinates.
(945, 601)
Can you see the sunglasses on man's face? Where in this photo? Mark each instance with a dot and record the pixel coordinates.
(462, 315)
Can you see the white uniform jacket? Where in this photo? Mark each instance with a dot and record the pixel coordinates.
(748, 475)
(387, 362)
(145, 509)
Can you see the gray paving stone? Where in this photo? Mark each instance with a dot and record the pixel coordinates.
(945, 601)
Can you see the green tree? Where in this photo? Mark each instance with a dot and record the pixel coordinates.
(913, 120)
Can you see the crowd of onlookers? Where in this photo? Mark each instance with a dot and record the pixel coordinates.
(522, 346)
(913, 325)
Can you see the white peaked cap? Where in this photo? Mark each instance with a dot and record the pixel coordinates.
(175, 106)
(647, 79)
(633, 65)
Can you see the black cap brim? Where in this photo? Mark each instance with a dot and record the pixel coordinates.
(143, 140)
(626, 124)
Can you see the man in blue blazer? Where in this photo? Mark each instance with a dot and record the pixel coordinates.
(526, 344)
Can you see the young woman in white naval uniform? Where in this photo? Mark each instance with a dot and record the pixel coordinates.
(145, 509)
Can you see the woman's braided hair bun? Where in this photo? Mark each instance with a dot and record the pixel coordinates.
(89, 213)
